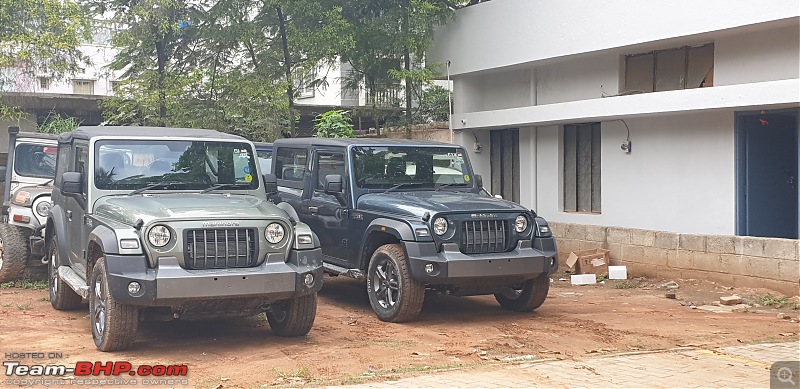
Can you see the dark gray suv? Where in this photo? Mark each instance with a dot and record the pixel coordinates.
(411, 216)
(169, 223)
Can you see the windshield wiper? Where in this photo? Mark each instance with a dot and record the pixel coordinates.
(397, 186)
(443, 186)
(220, 186)
(152, 186)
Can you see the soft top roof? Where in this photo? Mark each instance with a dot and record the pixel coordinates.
(344, 142)
(150, 132)
(36, 135)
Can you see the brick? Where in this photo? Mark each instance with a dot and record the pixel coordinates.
(567, 245)
(655, 256)
(632, 253)
(721, 244)
(575, 231)
(761, 267)
(780, 248)
(666, 240)
(642, 237)
(692, 242)
(595, 233)
(731, 264)
(614, 251)
(682, 260)
(738, 245)
(589, 245)
(708, 262)
(730, 300)
(753, 247)
(557, 228)
(618, 235)
(789, 270)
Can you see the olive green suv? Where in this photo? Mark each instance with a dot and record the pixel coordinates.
(168, 223)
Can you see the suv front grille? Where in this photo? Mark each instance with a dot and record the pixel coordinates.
(484, 236)
(220, 248)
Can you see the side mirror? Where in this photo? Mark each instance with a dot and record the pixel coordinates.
(72, 183)
(333, 184)
(270, 184)
(478, 181)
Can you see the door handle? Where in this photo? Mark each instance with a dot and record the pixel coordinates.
(313, 210)
(69, 215)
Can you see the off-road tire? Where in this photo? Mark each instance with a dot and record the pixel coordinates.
(293, 317)
(393, 294)
(13, 252)
(529, 296)
(114, 325)
(62, 297)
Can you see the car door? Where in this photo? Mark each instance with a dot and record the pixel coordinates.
(324, 214)
(290, 166)
(75, 210)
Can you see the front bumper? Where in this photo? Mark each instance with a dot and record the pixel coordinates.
(170, 285)
(451, 266)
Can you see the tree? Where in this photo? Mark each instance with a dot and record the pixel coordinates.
(39, 38)
(334, 124)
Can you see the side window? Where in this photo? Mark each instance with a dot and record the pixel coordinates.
(290, 164)
(62, 162)
(81, 163)
(328, 163)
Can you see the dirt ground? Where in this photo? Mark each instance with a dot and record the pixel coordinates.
(348, 344)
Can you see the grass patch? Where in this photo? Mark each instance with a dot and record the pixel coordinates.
(630, 285)
(394, 372)
(775, 302)
(23, 307)
(25, 284)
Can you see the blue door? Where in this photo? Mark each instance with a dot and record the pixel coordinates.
(767, 166)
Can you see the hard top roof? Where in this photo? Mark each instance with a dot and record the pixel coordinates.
(149, 132)
(344, 142)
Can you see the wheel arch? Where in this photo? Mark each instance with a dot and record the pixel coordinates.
(380, 232)
(56, 226)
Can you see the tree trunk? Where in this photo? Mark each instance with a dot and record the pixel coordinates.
(287, 68)
(162, 75)
(407, 65)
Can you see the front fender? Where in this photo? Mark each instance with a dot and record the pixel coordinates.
(105, 238)
(399, 229)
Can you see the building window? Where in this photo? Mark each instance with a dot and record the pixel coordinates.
(83, 87)
(305, 85)
(662, 70)
(44, 83)
(582, 168)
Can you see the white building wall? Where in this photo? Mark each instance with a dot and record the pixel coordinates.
(537, 65)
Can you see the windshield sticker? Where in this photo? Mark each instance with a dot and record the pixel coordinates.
(466, 178)
(248, 178)
(248, 170)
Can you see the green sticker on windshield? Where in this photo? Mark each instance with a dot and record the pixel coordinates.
(466, 178)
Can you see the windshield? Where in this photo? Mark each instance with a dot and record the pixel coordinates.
(35, 160)
(415, 167)
(190, 165)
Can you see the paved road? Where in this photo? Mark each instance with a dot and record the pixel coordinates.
(743, 366)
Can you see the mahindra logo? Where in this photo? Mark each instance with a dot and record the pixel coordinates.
(483, 216)
(220, 224)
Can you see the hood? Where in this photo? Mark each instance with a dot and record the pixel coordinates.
(184, 206)
(417, 203)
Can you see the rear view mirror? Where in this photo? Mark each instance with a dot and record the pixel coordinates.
(270, 184)
(478, 181)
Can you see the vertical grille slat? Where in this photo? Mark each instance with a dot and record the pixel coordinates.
(220, 248)
(484, 236)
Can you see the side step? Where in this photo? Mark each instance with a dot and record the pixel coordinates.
(74, 281)
(342, 271)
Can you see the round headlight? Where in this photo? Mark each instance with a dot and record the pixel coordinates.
(274, 233)
(440, 226)
(43, 208)
(521, 224)
(159, 236)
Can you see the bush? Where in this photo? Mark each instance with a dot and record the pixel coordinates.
(334, 124)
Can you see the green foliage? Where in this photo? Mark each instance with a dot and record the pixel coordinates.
(433, 105)
(54, 123)
(41, 38)
(334, 124)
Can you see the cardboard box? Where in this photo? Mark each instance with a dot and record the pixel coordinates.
(593, 261)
